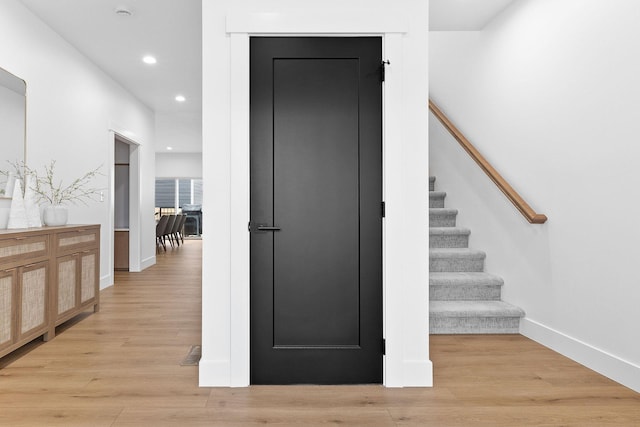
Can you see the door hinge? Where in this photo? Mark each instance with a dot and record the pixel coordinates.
(382, 68)
(383, 209)
(384, 346)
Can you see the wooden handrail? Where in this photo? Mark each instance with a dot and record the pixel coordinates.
(503, 185)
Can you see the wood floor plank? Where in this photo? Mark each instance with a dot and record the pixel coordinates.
(51, 417)
(372, 417)
(121, 367)
(520, 416)
(326, 397)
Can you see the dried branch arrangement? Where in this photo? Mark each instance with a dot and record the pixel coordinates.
(55, 192)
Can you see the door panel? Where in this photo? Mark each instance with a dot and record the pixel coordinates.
(316, 286)
(316, 125)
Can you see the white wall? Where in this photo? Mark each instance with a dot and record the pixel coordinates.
(225, 337)
(549, 93)
(178, 165)
(70, 106)
(183, 128)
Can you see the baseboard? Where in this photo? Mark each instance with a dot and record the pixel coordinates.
(417, 373)
(214, 373)
(609, 365)
(147, 262)
(106, 281)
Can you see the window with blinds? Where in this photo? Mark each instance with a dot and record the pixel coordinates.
(197, 191)
(165, 193)
(175, 193)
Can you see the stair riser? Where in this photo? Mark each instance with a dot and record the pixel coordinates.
(449, 241)
(474, 325)
(464, 293)
(456, 265)
(436, 201)
(447, 220)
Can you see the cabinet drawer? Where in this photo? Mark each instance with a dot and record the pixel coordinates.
(73, 241)
(23, 249)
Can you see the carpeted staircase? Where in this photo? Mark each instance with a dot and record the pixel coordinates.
(463, 298)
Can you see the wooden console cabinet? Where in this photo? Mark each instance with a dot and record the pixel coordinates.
(47, 276)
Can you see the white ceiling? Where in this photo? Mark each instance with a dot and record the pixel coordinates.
(171, 30)
(168, 29)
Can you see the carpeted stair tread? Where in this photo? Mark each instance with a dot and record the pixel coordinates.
(456, 259)
(464, 278)
(474, 317)
(443, 211)
(474, 309)
(442, 217)
(461, 253)
(432, 183)
(449, 237)
(438, 231)
(436, 199)
(464, 286)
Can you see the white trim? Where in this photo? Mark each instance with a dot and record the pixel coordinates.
(392, 192)
(214, 367)
(122, 134)
(214, 373)
(135, 209)
(106, 281)
(416, 373)
(240, 213)
(607, 364)
(315, 22)
(147, 262)
(108, 235)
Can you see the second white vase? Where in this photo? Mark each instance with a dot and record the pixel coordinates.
(55, 215)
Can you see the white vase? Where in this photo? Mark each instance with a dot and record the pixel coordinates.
(17, 214)
(55, 215)
(31, 204)
(5, 208)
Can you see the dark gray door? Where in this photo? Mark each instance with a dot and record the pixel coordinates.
(316, 222)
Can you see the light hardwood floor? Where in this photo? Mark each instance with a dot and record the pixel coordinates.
(121, 367)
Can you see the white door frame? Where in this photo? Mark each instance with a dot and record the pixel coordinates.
(134, 200)
(225, 360)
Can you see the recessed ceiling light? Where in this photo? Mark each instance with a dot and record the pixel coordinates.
(149, 60)
(123, 11)
(180, 98)
(169, 148)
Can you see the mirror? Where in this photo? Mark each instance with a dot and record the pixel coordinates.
(13, 103)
